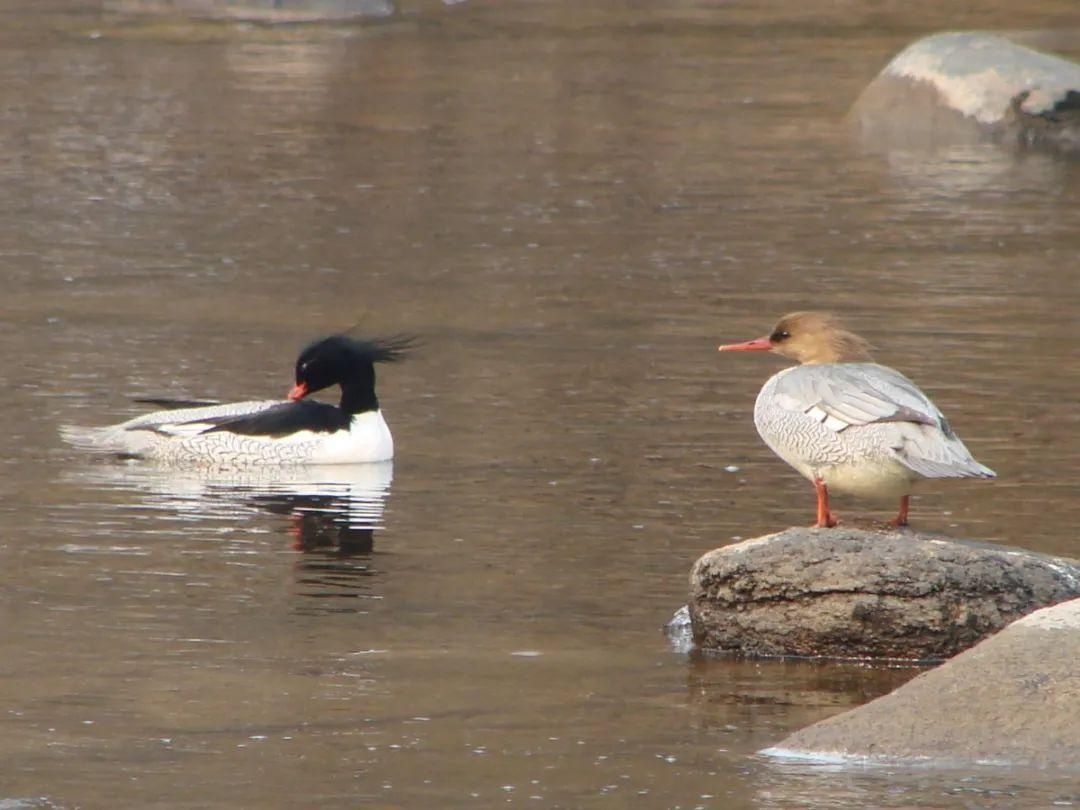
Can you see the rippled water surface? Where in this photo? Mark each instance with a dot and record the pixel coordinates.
(571, 204)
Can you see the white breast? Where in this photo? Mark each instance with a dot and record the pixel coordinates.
(368, 439)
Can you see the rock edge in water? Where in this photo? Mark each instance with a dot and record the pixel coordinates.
(1009, 701)
(851, 593)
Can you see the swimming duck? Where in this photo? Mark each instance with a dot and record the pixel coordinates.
(848, 424)
(269, 432)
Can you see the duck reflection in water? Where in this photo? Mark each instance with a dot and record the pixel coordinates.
(333, 523)
(332, 512)
(322, 533)
(327, 520)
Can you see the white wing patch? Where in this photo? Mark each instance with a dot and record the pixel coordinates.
(832, 423)
(182, 430)
(826, 418)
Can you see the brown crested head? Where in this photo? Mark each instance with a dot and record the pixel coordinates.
(809, 337)
(817, 337)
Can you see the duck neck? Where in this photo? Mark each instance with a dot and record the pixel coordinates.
(358, 394)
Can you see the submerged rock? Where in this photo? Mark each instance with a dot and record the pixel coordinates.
(965, 85)
(850, 593)
(1011, 700)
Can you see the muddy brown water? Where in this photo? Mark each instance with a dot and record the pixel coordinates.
(571, 206)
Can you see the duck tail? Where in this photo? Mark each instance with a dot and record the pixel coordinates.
(86, 438)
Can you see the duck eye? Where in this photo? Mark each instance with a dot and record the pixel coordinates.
(779, 336)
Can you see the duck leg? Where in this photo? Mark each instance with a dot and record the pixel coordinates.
(825, 518)
(901, 516)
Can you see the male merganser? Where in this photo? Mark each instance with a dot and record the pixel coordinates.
(269, 432)
(848, 424)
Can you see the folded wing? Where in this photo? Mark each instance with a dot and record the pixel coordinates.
(847, 396)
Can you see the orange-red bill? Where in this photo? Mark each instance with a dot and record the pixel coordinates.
(299, 391)
(761, 344)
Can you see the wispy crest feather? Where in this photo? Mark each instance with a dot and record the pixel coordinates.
(389, 349)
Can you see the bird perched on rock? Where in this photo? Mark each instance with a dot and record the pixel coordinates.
(848, 424)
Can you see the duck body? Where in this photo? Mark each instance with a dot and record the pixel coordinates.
(849, 424)
(861, 428)
(241, 434)
(296, 431)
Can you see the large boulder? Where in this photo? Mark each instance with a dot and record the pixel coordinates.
(964, 85)
(851, 593)
(1012, 700)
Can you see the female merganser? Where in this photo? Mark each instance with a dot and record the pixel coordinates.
(296, 431)
(848, 424)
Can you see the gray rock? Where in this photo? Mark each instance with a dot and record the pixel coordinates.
(850, 593)
(966, 85)
(1012, 700)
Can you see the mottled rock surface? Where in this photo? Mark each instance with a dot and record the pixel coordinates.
(1012, 700)
(852, 593)
(964, 85)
